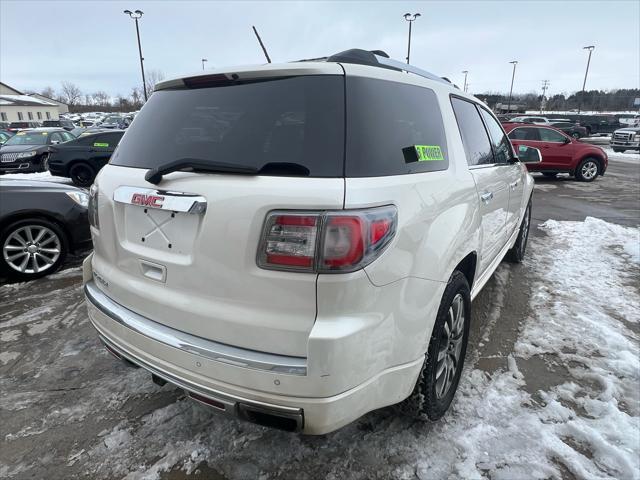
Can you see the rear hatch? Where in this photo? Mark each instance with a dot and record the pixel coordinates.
(182, 251)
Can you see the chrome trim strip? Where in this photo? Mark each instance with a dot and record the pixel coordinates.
(230, 402)
(172, 201)
(186, 342)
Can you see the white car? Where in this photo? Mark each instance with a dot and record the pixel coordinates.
(534, 120)
(299, 244)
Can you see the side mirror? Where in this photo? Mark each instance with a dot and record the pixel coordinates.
(567, 140)
(529, 154)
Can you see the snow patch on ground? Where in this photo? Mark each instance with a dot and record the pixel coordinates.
(6, 357)
(40, 176)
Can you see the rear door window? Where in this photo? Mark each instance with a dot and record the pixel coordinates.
(474, 135)
(262, 124)
(393, 129)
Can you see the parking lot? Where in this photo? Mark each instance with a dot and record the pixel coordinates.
(550, 388)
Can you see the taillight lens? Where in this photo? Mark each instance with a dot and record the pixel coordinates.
(325, 242)
(93, 206)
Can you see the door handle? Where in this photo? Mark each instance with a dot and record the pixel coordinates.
(486, 197)
(513, 185)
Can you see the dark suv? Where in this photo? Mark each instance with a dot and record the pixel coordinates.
(81, 159)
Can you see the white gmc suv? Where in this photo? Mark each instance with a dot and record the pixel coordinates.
(299, 244)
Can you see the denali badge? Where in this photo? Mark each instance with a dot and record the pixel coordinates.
(154, 201)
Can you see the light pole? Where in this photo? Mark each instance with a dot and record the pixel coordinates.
(513, 75)
(584, 84)
(204, 60)
(136, 15)
(466, 72)
(410, 18)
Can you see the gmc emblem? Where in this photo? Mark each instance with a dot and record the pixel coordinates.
(154, 201)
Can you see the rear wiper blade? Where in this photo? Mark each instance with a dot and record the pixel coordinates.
(197, 164)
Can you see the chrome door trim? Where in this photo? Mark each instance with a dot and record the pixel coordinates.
(186, 342)
(164, 199)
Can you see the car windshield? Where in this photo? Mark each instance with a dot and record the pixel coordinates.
(112, 119)
(28, 138)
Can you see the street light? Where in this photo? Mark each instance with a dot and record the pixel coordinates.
(136, 15)
(466, 72)
(204, 60)
(584, 84)
(410, 18)
(513, 75)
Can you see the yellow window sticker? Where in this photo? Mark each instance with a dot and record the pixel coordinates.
(98, 144)
(20, 133)
(429, 153)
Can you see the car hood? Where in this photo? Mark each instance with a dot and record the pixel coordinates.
(629, 129)
(20, 148)
(34, 185)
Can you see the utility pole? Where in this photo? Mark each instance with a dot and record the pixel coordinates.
(545, 86)
(137, 15)
(204, 60)
(513, 75)
(466, 72)
(410, 18)
(264, 50)
(584, 84)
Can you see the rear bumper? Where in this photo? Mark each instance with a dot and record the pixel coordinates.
(284, 390)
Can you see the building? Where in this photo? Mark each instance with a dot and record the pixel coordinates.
(15, 106)
(62, 107)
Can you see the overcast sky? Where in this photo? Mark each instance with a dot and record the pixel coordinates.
(93, 44)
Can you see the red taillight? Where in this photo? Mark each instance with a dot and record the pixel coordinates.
(324, 242)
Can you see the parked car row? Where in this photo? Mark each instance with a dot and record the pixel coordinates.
(63, 154)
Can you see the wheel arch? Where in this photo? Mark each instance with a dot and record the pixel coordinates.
(467, 266)
(596, 156)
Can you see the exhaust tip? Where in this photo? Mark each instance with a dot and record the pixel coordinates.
(293, 422)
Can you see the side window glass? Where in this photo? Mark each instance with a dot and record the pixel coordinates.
(393, 129)
(55, 137)
(501, 145)
(474, 136)
(547, 135)
(524, 134)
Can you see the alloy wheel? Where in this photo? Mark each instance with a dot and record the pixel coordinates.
(450, 346)
(32, 249)
(589, 170)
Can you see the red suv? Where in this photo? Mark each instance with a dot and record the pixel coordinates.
(560, 152)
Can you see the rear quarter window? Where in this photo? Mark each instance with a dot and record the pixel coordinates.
(386, 121)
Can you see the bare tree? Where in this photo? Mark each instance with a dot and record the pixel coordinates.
(152, 77)
(136, 97)
(71, 93)
(48, 92)
(101, 98)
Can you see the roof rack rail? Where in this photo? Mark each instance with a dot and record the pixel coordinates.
(378, 58)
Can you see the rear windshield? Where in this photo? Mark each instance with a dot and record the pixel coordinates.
(297, 120)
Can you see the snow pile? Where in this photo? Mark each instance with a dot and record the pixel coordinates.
(585, 315)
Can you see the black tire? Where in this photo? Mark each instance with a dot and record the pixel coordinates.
(82, 174)
(588, 170)
(8, 264)
(517, 252)
(431, 397)
(550, 174)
